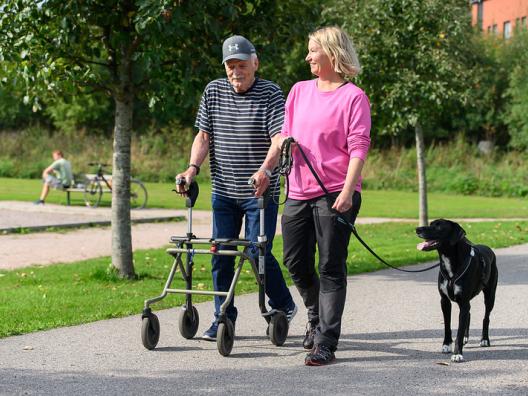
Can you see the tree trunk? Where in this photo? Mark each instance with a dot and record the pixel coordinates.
(422, 179)
(122, 255)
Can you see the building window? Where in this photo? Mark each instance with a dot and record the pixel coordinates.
(480, 10)
(523, 22)
(494, 29)
(507, 30)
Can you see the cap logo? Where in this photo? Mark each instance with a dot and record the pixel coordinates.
(233, 47)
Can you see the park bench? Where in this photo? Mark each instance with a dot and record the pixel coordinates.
(79, 186)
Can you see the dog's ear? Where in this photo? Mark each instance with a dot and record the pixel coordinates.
(457, 234)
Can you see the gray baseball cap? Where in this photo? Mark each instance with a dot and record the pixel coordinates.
(237, 47)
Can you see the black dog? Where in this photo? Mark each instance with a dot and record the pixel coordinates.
(465, 270)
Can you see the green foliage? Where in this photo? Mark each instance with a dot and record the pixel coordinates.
(169, 49)
(483, 118)
(13, 112)
(89, 111)
(414, 58)
(517, 92)
(457, 167)
(157, 154)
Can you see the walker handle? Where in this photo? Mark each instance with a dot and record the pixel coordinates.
(191, 193)
(264, 199)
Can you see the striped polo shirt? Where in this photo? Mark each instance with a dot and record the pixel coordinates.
(240, 127)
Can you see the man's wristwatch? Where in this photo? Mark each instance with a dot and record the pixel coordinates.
(195, 167)
(266, 171)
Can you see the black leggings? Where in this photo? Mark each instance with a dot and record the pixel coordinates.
(305, 225)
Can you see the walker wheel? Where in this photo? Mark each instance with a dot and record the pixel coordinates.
(150, 331)
(278, 328)
(188, 322)
(225, 337)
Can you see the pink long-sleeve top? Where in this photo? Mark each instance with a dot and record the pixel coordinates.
(331, 127)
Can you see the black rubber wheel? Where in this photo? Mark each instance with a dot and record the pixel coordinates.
(93, 193)
(150, 331)
(225, 337)
(138, 195)
(278, 328)
(188, 322)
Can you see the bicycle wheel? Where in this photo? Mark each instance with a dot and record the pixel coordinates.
(92, 193)
(138, 194)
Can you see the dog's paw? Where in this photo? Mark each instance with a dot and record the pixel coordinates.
(484, 343)
(457, 358)
(446, 348)
(466, 339)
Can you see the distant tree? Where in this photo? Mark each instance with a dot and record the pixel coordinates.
(13, 112)
(516, 115)
(156, 50)
(413, 54)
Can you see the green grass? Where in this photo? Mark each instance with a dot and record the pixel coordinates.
(376, 203)
(38, 298)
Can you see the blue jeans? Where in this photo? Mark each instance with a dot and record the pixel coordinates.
(227, 223)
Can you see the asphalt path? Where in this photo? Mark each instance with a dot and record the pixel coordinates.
(390, 345)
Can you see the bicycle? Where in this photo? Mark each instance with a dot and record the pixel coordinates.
(98, 183)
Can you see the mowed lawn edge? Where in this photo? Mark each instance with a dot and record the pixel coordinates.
(376, 203)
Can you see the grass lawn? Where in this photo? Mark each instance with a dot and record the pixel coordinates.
(37, 298)
(376, 203)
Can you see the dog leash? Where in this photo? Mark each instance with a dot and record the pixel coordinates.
(284, 169)
(286, 150)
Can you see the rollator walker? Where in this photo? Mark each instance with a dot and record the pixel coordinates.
(188, 318)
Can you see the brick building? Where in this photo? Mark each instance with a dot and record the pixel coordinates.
(500, 17)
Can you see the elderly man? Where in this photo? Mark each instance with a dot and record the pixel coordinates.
(58, 175)
(237, 120)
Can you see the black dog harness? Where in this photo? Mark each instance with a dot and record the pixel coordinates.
(485, 268)
(452, 279)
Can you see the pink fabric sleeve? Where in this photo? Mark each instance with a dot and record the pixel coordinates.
(358, 138)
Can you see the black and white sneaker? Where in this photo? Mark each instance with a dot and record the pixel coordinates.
(319, 356)
(290, 313)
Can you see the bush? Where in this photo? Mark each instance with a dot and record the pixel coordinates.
(455, 167)
(7, 168)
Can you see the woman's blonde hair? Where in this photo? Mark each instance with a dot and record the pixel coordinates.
(339, 48)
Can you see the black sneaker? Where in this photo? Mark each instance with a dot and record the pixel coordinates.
(308, 341)
(39, 202)
(319, 356)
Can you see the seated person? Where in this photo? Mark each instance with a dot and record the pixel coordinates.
(58, 175)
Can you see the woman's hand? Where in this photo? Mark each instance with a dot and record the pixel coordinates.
(343, 202)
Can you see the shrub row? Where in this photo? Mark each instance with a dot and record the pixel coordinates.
(455, 167)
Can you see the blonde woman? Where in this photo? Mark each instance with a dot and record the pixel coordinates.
(329, 118)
